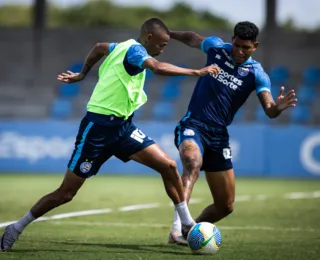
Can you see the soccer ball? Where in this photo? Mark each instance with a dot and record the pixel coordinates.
(204, 239)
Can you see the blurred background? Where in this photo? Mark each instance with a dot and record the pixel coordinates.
(39, 116)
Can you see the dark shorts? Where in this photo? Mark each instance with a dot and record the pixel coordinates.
(100, 137)
(213, 141)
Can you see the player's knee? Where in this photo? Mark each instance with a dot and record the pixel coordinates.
(191, 163)
(65, 196)
(172, 165)
(227, 208)
(169, 169)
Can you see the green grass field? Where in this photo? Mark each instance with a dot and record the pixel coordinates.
(269, 222)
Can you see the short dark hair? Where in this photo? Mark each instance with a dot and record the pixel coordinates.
(246, 31)
(153, 25)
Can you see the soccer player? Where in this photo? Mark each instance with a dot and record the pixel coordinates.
(202, 136)
(107, 129)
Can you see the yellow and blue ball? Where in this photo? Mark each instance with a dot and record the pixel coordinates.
(204, 239)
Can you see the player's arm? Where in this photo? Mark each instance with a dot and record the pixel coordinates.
(167, 69)
(138, 56)
(195, 40)
(189, 38)
(272, 108)
(97, 52)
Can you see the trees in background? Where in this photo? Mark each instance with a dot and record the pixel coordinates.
(106, 14)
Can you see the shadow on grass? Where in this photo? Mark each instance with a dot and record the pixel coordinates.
(156, 248)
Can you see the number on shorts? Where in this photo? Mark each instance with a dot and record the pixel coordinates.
(138, 135)
(227, 153)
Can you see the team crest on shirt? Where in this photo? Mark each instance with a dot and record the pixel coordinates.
(188, 132)
(242, 71)
(85, 167)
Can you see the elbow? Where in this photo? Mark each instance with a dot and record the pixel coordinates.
(99, 48)
(158, 69)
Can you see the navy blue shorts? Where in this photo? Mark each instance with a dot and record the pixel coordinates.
(213, 141)
(100, 137)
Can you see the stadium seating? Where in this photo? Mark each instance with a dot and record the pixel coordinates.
(301, 114)
(163, 110)
(261, 116)
(311, 76)
(171, 88)
(69, 90)
(76, 67)
(61, 109)
(279, 75)
(306, 94)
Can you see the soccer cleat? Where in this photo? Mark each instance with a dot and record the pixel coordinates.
(177, 238)
(9, 237)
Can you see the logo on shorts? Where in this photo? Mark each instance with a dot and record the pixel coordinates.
(85, 167)
(227, 153)
(243, 71)
(188, 132)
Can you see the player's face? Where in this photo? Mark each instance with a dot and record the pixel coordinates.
(242, 49)
(156, 43)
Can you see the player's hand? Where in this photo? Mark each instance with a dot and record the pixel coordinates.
(70, 77)
(288, 100)
(212, 70)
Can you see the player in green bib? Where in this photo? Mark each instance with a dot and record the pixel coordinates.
(107, 128)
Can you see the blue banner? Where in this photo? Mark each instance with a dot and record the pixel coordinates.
(257, 150)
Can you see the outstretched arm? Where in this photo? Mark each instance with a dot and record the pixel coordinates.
(189, 38)
(96, 53)
(274, 108)
(167, 69)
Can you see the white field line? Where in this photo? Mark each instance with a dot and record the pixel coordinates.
(66, 215)
(158, 225)
(239, 198)
(302, 195)
(139, 206)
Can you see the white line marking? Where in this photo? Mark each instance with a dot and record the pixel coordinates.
(158, 225)
(261, 197)
(66, 215)
(243, 198)
(239, 198)
(4, 224)
(139, 206)
(302, 195)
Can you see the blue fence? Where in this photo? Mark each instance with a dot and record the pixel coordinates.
(258, 150)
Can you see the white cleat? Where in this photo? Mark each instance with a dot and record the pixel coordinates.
(176, 237)
(9, 237)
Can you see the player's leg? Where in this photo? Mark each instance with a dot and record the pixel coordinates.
(67, 190)
(155, 158)
(135, 145)
(191, 157)
(65, 193)
(222, 187)
(189, 142)
(85, 161)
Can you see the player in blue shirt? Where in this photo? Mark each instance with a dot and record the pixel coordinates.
(201, 136)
